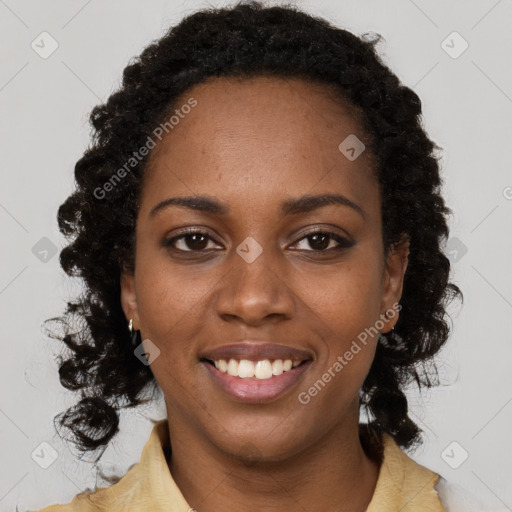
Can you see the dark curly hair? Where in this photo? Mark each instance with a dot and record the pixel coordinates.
(247, 40)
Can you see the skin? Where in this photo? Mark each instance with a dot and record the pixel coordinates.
(252, 144)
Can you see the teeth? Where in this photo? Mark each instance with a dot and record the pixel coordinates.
(232, 368)
(245, 369)
(277, 367)
(264, 369)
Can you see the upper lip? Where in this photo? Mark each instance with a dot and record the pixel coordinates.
(256, 351)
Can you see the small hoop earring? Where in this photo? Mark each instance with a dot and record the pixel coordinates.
(134, 334)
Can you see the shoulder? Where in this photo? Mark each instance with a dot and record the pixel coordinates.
(420, 487)
(129, 490)
(78, 504)
(417, 482)
(101, 499)
(121, 494)
(403, 484)
(148, 484)
(456, 499)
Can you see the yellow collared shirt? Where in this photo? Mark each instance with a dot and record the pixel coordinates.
(148, 486)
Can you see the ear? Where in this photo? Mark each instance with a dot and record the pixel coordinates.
(129, 298)
(393, 279)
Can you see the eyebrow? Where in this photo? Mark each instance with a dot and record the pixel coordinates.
(300, 205)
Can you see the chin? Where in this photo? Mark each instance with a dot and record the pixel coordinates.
(254, 445)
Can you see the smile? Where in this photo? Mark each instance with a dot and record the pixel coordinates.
(255, 382)
(254, 371)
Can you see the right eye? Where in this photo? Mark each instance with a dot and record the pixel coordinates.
(196, 240)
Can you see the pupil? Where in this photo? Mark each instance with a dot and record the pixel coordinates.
(196, 243)
(323, 244)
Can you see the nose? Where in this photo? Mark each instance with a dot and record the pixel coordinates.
(255, 292)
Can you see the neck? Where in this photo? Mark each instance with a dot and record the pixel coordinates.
(323, 476)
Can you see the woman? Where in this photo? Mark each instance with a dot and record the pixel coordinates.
(258, 224)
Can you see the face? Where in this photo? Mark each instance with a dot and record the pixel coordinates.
(256, 272)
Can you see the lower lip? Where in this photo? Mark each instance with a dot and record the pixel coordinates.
(257, 390)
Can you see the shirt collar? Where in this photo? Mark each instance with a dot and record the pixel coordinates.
(402, 484)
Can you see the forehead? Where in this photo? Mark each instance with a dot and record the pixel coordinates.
(260, 137)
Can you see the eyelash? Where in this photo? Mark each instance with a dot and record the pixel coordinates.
(343, 242)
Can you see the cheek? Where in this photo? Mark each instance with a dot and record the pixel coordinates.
(168, 317)
(167, 297)
(348, 306)
(334, 387)
(348, 300)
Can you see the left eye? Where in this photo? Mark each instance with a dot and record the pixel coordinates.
(321, 241)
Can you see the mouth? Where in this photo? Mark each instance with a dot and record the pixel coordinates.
(256, 373)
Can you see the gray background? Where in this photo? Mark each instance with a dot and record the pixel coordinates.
(44, 105)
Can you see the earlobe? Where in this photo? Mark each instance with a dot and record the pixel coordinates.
(129, 298)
